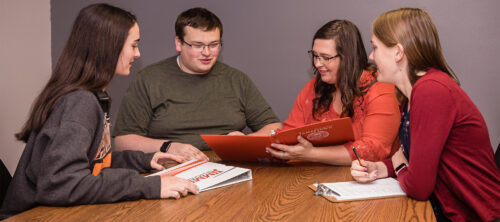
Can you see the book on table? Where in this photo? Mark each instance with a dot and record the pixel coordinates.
(353, 191)
(252, 148)
(208, 175)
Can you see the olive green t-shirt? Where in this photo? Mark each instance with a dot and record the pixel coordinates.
(163, 102)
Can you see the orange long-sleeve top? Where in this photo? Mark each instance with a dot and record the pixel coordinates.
(375, 122)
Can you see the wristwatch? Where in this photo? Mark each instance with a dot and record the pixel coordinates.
(166, 145)
(400, 167)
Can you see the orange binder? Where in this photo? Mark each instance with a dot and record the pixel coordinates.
(252, 148)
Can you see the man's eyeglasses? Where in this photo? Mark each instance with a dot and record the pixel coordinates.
(322, 59)
(200, 46)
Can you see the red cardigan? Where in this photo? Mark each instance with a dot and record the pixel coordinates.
(451, 154)
(375, 121)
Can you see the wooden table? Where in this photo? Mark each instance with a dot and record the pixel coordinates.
(278, 192)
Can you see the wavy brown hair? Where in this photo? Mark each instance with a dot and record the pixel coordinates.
(353, 61)
(88, 61)
(414, 30)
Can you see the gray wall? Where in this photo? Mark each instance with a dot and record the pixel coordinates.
(24, 68)
(268, 40)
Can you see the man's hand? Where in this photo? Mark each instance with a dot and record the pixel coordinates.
(236, 133)
(186, 150)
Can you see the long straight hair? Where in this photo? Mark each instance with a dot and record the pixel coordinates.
(353, 61)
(87, 62)
(414, 30)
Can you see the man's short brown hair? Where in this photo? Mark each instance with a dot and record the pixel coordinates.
(200, 18)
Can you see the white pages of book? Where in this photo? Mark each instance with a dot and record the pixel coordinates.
(353, 190)
(208, 175)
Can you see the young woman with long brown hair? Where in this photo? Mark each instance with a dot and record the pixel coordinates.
(68, 158)
(344, 86)
(446, 154)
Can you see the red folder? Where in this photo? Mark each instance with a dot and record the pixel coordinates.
(252, 148)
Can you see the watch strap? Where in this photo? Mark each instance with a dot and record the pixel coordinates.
(166, 145)
(400, 167)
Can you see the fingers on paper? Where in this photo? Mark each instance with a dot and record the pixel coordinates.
(364, 177)
(192, 188)
(174, 187)
(187, 187)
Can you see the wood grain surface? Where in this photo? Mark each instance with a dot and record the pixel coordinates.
(278, 192)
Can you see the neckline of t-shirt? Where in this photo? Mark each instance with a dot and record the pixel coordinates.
(189, 75)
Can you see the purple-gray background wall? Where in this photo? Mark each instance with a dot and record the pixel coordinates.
(268, 40)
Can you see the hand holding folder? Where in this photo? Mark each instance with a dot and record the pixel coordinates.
(252, 148)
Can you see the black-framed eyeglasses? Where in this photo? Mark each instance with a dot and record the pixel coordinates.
(322, 59)
(200, 46)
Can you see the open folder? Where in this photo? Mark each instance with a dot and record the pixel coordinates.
(252, 148)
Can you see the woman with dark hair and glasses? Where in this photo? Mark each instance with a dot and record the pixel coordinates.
(344, 86)
(446, 155)
(68, 159)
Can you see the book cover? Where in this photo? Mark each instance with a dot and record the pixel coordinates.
(319, 134)
(252, 148)
(208, 175)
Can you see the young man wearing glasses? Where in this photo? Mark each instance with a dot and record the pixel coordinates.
(170, 103)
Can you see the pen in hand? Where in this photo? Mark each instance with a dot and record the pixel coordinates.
(357, 155)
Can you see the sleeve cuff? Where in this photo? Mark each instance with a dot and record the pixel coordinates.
(390, 167)
(147, 157)
(152, 188)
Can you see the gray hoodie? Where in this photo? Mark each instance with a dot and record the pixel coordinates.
(58, 162)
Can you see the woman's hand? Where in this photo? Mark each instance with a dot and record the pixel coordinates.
(159, 159)
(368, 171)
(301, 151)
(174, 187)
